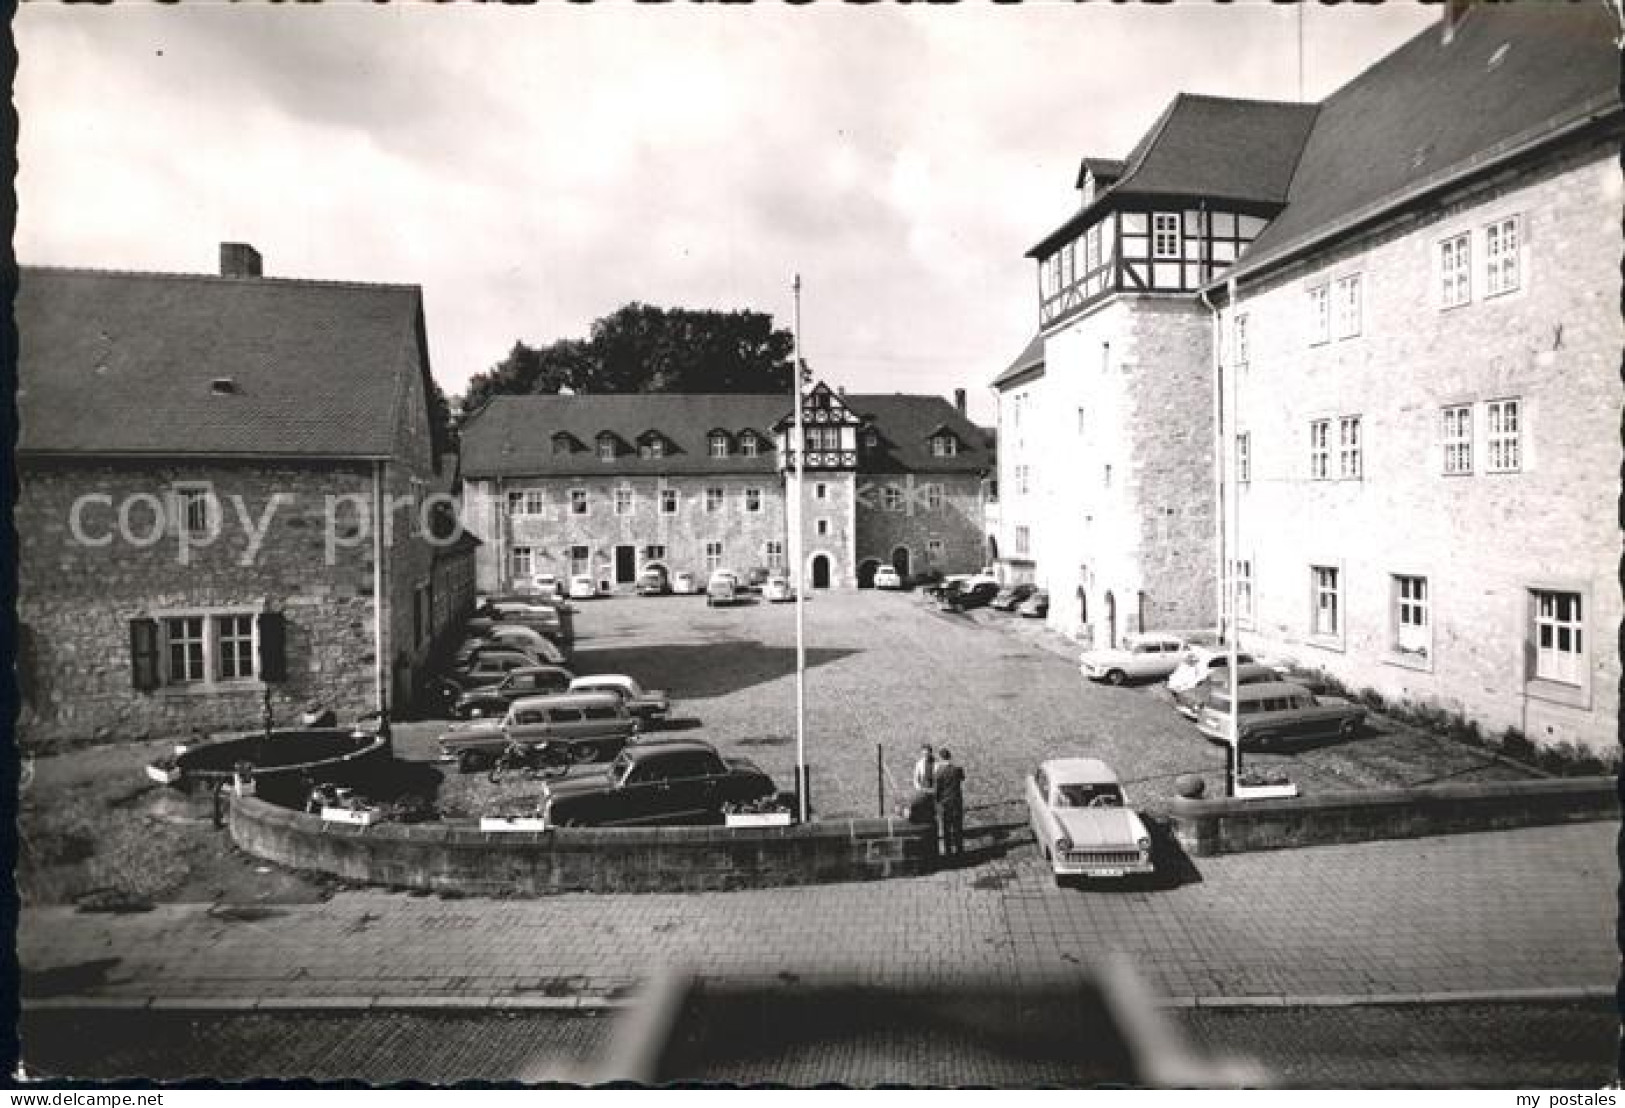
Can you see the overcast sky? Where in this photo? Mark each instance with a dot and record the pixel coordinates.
(535, 168)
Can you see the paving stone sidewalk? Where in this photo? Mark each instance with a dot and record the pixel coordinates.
(1516, 913)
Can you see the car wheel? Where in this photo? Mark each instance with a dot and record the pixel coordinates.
(1116, 677)
(1348, 729)
(1062, 880)
(471, 761)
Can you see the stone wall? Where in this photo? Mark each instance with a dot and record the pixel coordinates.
(836, 510)
(673, 859)
(76, 601)
(956, 522)
(1481, 540)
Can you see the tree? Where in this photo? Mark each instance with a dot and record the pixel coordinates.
(642, 348)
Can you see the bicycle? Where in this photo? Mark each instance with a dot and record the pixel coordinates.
(531, 760)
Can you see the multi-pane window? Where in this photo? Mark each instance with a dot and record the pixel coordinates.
(1326, 600)
(719, 445)
(1349, 463)
(655, 552)
(1244, 588)
(1165, 235)
(1501, 257)
(652, 447)
(748, 445)
(528, 502)
(516, 503)
(1411, 614)
(775, 554)
(1023, 485)
(184, 635)
(891, 498)
(1320, 449)
(713, 555)
(520, 562)
(1320, 319)
(1348, 306)
(580, 558)
(944, 446)
(1023, 539)
(668, 502)
(1455, 271)
(933, 550)
(234, 636)
(1244, 457)
(623, 502)
(578, 502)
(1559, 637)
(194, 510)
(713, 500)
(1456, 435)
(1238, 339)
(1502, 437)
(933, 497)
(606, 448)
(1069, 264)
(753, 500)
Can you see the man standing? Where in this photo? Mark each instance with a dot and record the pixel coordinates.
(949, 780)
(924, 770)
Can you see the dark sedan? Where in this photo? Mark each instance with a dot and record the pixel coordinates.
(976, 596)
(493, 700)
(654, 783)
(1012, 597)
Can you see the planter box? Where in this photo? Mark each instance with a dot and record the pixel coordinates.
(361, 817)
(516, 823)
(1266, 792)
(165, 776)
(758, 819)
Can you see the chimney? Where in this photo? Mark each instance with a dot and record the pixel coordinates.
(238, 259)
(959, 400)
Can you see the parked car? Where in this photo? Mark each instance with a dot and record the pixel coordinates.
(1272, 711)
(1082, 822)
(531, 641)
(978, 595)
(778, 589)
(684, 584)
(652, 582)
(1035, 606)
(488, 665)
(583, 587)
(659, 782)
(722, 588)
(1190, 702)
(493, 700)
(545, 584)
(1011, 597)
(887, 577)
(470, 649)
(756, 577)
(1198, 660)
(646, 704)
(1142, 657)
(592, 727)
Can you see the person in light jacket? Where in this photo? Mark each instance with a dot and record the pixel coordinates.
(925, 770)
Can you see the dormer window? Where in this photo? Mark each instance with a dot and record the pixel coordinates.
(607, 448)
(719, 444)
(651, 446)
(563, 443)
(944, 445)
(871, 438)
(748, 445)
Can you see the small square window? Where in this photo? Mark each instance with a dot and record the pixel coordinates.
(668, 502)
(578, 502)
(623, 502)
(821, 491)
(822, 527)
(713, 500)
(196, 511)
(753, 500)
(891, 498)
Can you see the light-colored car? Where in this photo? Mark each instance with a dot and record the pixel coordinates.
(1274, 711)
(652, 582)
(887, 577)
(722, 588)
(1143, 657)
(1082, 822)
(583, 587)
(684, 584)
(1190, 702)
(1198, 660)
(1035, 606)
(646, 704)
(590, 727)
(778, 590)
(545, 585)
(528, 639)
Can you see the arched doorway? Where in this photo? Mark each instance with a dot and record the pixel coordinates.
(899, 561)
(866, 572)
(992, 549)
(820, 571)
(1111, 622)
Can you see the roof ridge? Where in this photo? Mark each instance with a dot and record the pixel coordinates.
(168, 275)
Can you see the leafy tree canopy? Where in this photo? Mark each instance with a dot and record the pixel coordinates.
(642, 348)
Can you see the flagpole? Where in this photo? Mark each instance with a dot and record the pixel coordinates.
(800, 448)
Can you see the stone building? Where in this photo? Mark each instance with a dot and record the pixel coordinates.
(1424, 367)
(201, 459)
(611, 485)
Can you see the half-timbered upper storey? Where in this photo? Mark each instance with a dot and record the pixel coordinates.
(1180, 209)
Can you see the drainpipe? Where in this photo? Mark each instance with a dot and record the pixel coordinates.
(1218, 467)
(379, 661)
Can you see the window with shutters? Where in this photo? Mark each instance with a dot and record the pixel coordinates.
(202, 649)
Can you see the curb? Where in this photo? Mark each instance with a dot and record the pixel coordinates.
(354, 1004)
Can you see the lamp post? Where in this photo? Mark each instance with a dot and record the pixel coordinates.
(800, 448)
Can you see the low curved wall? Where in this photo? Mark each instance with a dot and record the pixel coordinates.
(465, 860)
(1229, 826)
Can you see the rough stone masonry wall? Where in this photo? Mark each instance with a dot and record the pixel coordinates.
(409, 563)
(1482, 540)
(957, 522)
(76, 601)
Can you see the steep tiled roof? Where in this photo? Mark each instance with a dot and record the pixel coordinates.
(906, 422)
(513, 435)
(1431, 110)
(1030, 360)
(178, 365)
(1105, 170)
(1242, 151)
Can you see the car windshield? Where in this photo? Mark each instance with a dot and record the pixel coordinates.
(1088, 796)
